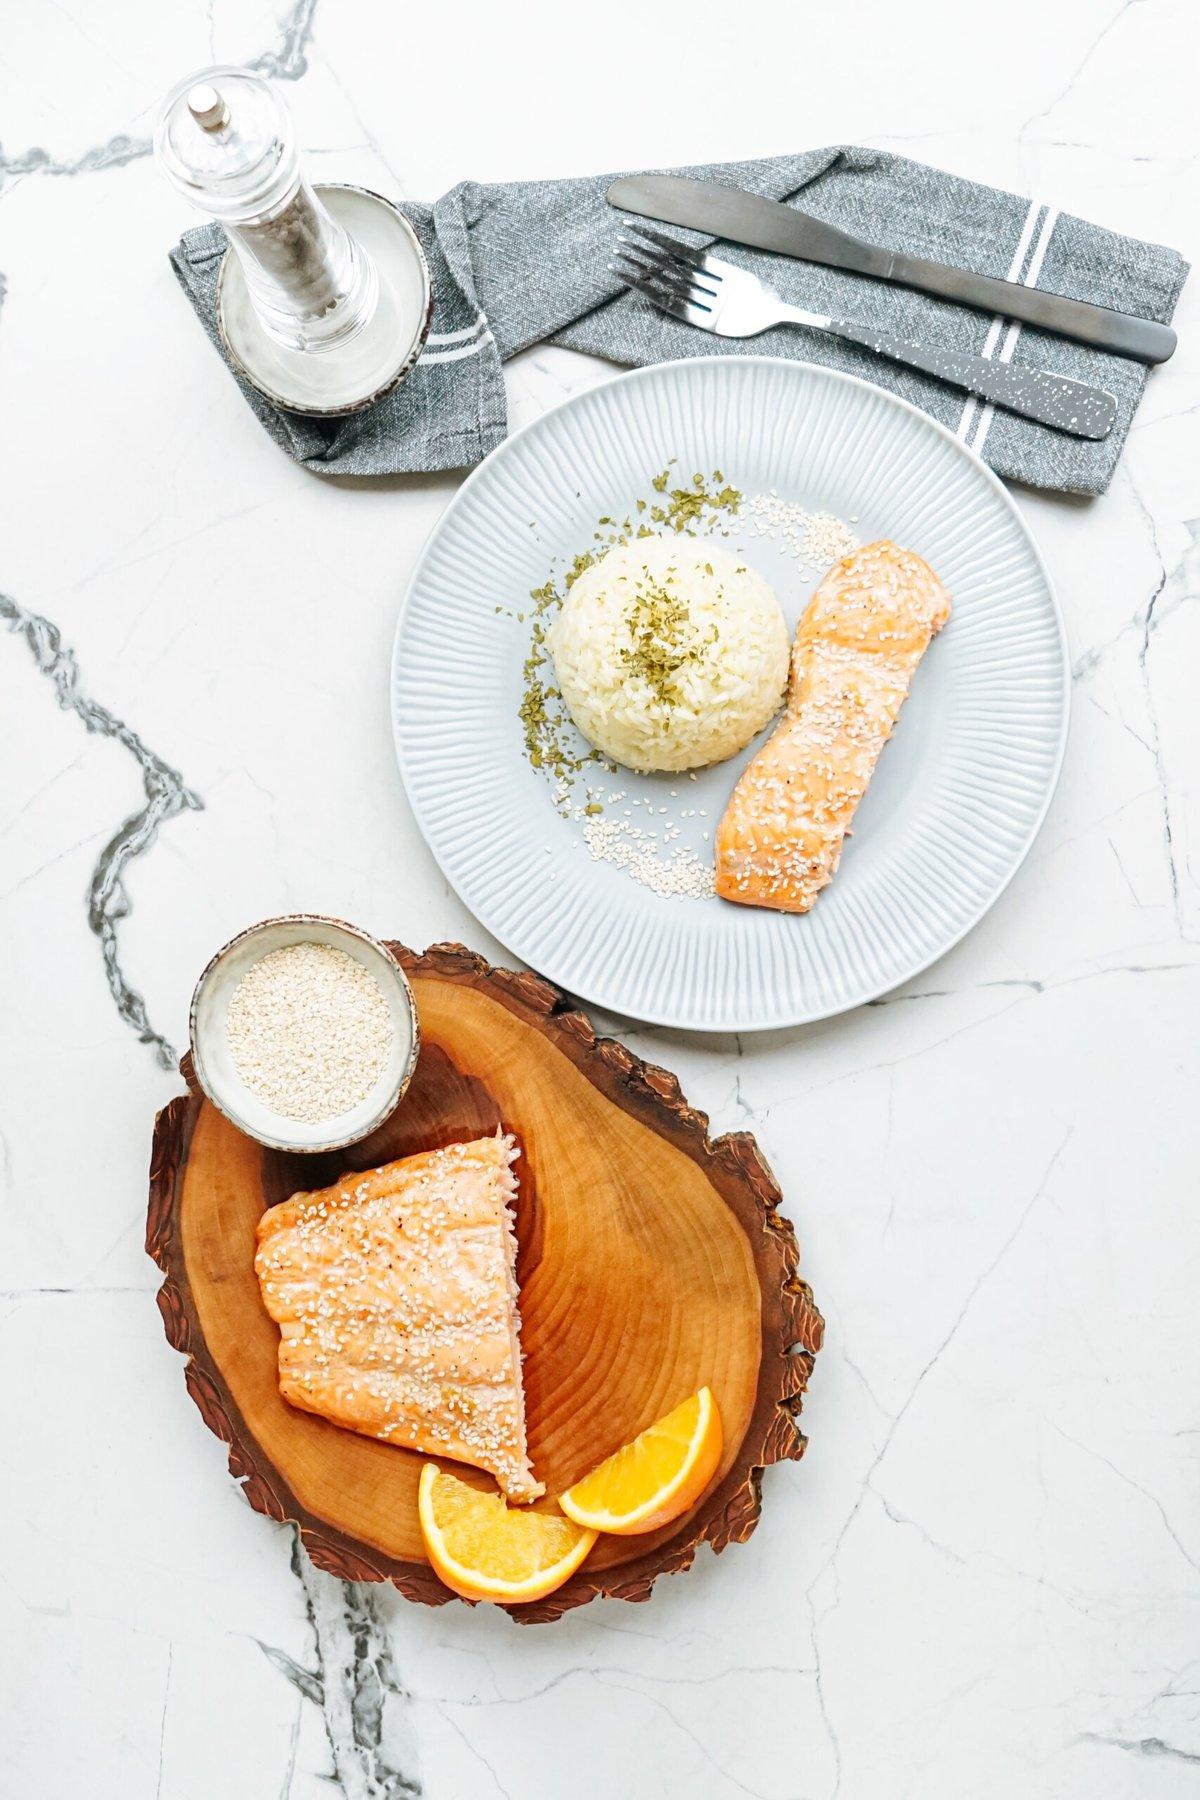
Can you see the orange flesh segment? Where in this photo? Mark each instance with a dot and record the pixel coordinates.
(657, 1477)
(486, 1550)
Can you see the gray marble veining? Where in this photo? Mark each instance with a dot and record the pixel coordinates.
(355, 1683)
(287, 61)
(166, 795)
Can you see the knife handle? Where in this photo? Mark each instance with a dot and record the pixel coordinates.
(1056, 400)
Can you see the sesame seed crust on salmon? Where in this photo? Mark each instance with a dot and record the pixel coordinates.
(396, 1295)
(857, 648)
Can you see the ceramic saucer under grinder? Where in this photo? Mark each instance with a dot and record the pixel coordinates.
(332, 382)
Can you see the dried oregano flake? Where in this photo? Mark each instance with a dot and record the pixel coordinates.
(549, 736)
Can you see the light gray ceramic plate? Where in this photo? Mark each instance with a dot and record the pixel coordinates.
(959, 792)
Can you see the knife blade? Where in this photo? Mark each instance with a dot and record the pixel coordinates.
(762, 224)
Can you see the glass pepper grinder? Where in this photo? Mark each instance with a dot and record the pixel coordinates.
(323, 298)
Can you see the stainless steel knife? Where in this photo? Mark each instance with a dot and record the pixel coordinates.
(743, 218)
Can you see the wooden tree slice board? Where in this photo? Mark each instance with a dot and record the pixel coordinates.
(652, 1261)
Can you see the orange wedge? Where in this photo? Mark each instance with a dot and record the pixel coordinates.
(654, 1479)
(485, 1550)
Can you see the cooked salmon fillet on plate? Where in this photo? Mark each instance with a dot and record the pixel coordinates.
(857, 648)
(395, 1293)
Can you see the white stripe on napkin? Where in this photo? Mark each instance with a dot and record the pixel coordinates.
(973, 404)
(448, 356)
(480, 334)
(458, 337)
(1014, 330)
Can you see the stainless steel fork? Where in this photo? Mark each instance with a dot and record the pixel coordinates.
(704, 290)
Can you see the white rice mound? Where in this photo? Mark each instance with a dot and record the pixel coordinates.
(725, 651)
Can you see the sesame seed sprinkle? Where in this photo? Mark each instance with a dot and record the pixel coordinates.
(309, 1031)
(814, 539)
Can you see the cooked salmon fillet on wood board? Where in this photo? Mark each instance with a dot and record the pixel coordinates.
(857, 648)
(396, 1295)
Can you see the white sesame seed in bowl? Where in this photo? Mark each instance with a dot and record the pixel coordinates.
(304, 1032)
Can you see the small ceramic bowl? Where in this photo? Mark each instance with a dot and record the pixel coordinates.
(213, 1060)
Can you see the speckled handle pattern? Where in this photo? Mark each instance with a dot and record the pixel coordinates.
(1055, 400)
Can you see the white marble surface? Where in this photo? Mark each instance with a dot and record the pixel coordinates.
(983, 1578)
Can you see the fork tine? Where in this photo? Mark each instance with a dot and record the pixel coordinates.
(644, 265)
(663, 298)
(634, 275)
(682, 252)
(667, 294)
(680, 281)
(699, 276)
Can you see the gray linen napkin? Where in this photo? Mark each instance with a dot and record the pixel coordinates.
(522, 263)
